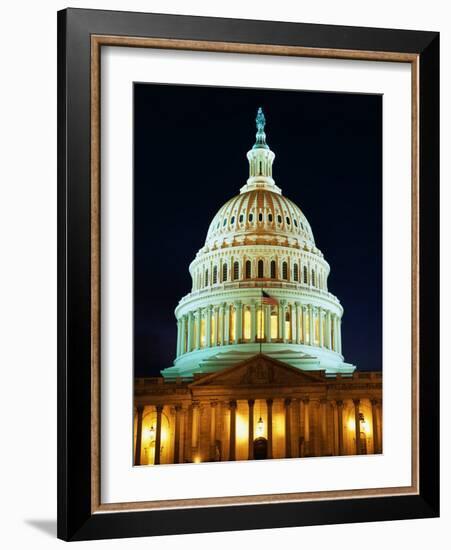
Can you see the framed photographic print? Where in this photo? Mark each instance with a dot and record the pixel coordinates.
(248, 274)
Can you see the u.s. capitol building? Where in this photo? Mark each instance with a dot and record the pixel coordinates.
(259, 370)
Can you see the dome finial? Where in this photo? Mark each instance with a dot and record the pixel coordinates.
(260, 142)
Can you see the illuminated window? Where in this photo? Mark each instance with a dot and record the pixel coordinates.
(260, 269)
(247, 324)
(202, 332)
(305, 275)
(248, 269)
(215, 274)
(274, 324)
(296, 272)
(232, 324)
(288, 325)
(307, 328)
(236, 271)
(260, 324)
(316, 325)
(285, 271)
(273, 269)
(224, 272)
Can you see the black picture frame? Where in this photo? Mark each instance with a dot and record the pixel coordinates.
(76, 521)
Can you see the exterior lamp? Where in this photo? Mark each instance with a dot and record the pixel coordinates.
(260, 427)
(363, 424)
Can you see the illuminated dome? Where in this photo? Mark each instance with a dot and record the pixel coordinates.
(259, 284)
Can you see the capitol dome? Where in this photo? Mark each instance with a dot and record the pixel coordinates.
(259, 285)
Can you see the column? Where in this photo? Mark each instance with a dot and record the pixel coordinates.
(158, 435)
(226, 324)
(357, 425)
(304, 326)
(375, 426)
(324, 441)
(208, 328)
(176, 459)
(250, 452)
(306, 427)
(194, 430)
(282, 320)
(340, 426)
(320, 322)
(253, 321)
(217, 337)
(139, 434)
(287, 404)
(295, 425)
(311, 328)
(179, 333)
(213, 408)
(267, 310)
(298, 323)
(189, 346)
(329, 330)
(339, 335)
(183, 337)
(232, 432)
(238, 322)
(293, 324)
(269, 403)
(198, 321)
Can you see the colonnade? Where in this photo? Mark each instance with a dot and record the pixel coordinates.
(247, 322)
(307, 427)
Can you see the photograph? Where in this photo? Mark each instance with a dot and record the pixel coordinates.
(257, 274)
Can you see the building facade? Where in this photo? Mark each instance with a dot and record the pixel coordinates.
(259, 370)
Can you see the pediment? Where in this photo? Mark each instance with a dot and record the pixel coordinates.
(260, 370)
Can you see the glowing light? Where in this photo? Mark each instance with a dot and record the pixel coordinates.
(197, 459)
(151, 432)
(260, 427)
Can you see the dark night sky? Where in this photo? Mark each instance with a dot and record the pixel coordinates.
(190, 158)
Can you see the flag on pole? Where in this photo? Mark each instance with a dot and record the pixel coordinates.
(269, 300)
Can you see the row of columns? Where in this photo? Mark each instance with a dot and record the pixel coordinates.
(232, 404)
(316, 279)
(217, 326)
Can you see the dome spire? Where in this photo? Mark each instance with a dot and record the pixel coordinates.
(260, 120)
(260, 159)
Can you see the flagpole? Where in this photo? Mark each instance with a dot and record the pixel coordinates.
(261, 321)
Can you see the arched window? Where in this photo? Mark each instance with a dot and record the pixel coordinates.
(236, 271)
(279, 219)
(224, 272)
(305, 275)
(273, 269)
(296, 272)
(251, 217)
(206, 278)
(215, 274)
(313, 278)
(260, 269)
(285, 271)
(260, 217)
(270, 218)
(248, 269)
